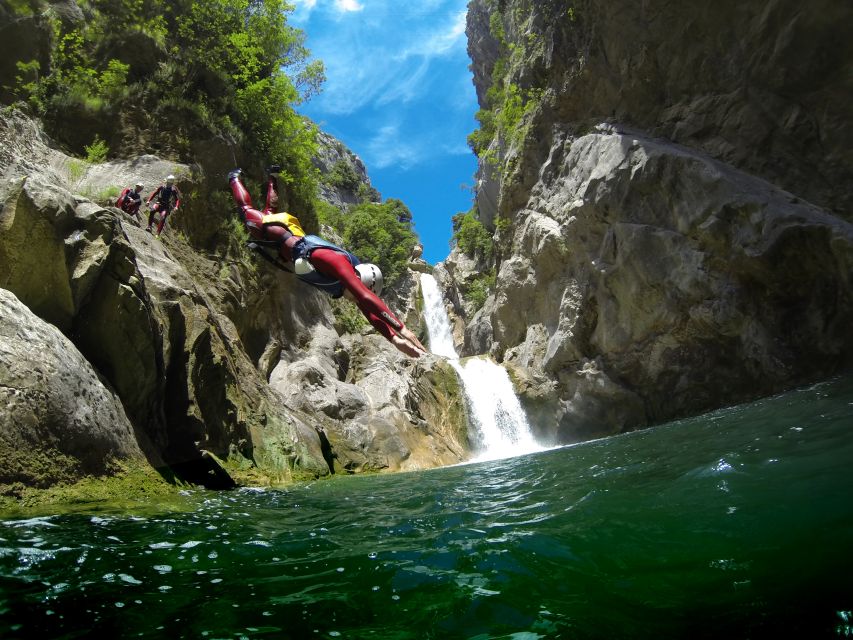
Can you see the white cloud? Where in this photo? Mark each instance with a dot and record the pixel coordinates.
(388, 148)
(405, 85)
(405, 142)
(385, 56)
(348, 5)
(440, 42)
(302, 11)
(402, 67)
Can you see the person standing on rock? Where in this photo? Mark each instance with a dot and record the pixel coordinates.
(319, 262)
(168, 199)
(130, 200)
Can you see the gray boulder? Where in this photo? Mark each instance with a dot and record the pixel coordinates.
(377, 409)
(60, 421)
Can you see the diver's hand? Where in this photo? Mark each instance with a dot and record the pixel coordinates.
(407, 347)
(412, 338)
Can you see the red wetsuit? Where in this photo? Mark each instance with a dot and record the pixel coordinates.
(129, 201)
(328, 262)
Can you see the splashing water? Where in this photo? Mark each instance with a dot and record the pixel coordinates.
(500, 428)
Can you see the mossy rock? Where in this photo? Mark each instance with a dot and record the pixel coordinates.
(130, 486)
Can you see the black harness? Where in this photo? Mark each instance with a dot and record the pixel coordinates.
(260, 247)
(166, 194)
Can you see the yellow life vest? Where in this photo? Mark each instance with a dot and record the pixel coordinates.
(286, 220)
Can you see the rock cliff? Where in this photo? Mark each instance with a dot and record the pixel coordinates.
(344, 178)
(670, 208)
(208, 366)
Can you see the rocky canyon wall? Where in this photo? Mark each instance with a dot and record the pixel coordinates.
(671, 210)
(118, 348)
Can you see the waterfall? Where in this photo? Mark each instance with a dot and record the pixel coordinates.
(500, 428)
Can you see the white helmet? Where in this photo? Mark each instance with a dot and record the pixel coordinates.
(170, 179)
(371, 276)
(139, 186)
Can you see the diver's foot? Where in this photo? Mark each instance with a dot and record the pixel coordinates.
(274, 169)
(236, 174)
(148, 229)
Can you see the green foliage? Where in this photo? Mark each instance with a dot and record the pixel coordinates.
(348, 318)
(479, 289)
(378, 233)
(107, 195)
(76, 170)
(511, 105)
(507, 103)
(471, 236)
(232, 69)
(367, 193)
(502, 225)
(76, 76)
(236, 230)
(27, 82)
(112, 82)
(97, 151)
(234, 237)
(344, 176)
(374, 233)
(496, 26)
(480, 139)
(22, 7)
(246, 48)
(399, 210)
(331, 216)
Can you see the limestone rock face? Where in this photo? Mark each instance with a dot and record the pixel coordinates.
(761, 87)
(671, 279)
(59, 420)
(343, 174)
(379, 410)
(142, 320)
(675, 230)
(187, 342)
(454, 276)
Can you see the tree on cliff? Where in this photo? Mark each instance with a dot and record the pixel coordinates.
(165, 74)
(377, 233)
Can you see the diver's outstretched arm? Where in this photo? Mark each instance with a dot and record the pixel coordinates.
(336, 265)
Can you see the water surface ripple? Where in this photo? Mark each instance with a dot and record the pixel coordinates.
(735, 524)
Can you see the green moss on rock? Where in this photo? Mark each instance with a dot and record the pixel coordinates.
(130, 484)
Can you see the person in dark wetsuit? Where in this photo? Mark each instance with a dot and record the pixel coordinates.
(168, 200)
(130, 200)
(321, 263)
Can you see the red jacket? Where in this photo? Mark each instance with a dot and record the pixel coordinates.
(129, 201)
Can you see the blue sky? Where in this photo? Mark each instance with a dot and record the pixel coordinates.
(399, 94)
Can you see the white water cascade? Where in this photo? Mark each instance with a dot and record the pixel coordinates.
(500, 426)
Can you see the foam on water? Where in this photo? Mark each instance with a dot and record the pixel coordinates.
(499, 425)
